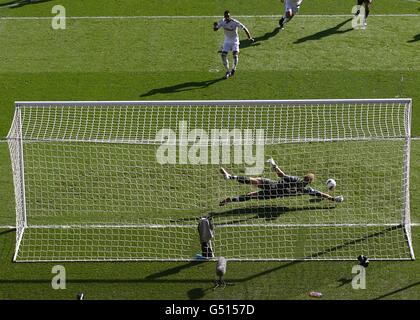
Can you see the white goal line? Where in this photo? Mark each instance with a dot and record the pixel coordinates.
(206, 17)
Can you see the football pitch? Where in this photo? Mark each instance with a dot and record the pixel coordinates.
(167, 50)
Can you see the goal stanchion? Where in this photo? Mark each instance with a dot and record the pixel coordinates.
(129, 180)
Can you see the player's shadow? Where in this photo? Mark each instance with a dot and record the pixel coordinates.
(173, 271)
(318, 254)
(397, 291)
(415, 38)
(266, 212)
(257, 41)
(20, 3)
(196, 293)
(7, 231)
(355, 241)
(326, 33)
(344, 281)
(186, 86)
(240, 215)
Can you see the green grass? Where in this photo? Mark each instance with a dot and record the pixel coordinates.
(314, 57)
(153, 280)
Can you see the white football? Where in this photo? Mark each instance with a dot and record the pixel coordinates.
(331, 184)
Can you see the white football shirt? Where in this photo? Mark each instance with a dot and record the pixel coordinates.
(231, 29)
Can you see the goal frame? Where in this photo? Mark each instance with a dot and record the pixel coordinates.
(21, 218)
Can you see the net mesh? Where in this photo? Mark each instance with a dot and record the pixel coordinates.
(129, 181)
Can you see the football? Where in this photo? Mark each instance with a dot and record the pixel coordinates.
(331, 184)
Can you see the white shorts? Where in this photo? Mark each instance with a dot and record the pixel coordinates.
(292, 5)
(231, 46)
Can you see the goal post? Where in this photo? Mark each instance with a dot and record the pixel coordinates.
(130, 180)
(15, 143)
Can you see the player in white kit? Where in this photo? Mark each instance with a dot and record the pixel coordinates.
(231, 42)
(291, 7)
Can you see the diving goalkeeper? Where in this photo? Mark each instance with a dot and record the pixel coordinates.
(286, 186)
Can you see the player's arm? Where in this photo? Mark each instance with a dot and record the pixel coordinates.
(276, 168)
(248, 34)
(316, 193)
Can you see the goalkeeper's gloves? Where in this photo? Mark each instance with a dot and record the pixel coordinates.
(339, 199)
(363, 261)
(272, 163)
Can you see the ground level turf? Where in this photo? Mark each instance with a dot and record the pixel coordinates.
(195, 280)
(168, 59)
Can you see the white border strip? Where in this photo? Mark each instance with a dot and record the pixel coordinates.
(206, 17)
(46, 104)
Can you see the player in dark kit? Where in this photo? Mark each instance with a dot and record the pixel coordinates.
(366, 4)
(286, 186)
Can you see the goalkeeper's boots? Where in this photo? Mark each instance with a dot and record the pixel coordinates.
(227, 75)
(225, 174)
(232, 72)
(272, 163)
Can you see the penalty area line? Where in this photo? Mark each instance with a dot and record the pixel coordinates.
(206, 17)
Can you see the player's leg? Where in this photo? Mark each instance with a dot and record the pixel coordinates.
(367, 11)
(235, 54)
(242, 198)
(206, 249)
(227, 46)
(259, 182)
(225, 62)
(289, 6)
(295, 8)
(288, 15)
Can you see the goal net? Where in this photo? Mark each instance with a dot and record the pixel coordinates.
(120, 181)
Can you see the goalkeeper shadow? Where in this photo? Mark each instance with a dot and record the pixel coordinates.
(266, 212)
